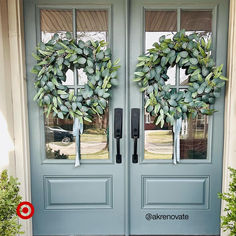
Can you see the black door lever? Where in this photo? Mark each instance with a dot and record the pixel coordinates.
(135, 123)
(118, 132)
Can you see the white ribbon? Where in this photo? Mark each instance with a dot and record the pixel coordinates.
(177, 129)
(77, 130)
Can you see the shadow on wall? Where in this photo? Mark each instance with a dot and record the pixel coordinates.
(6, 143)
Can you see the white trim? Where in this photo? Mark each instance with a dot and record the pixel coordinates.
(230, 105)
(19, 102)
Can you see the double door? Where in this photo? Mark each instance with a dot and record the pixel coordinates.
(157, 194)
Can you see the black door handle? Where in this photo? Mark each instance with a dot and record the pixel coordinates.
(135, 123)
(118, 132)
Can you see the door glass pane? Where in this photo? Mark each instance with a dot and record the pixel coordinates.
(95, 138)
(94, 142)
(158, 23)
(197, 21)
(159, 141)
(55, 21)
(194, 133)
(194, 137)
(184, 79)
(60, 143)
(92, 24)
(59, 140)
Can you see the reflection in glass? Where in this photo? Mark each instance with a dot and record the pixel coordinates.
(94, 141)
(193, 138)
(69, 78)
(199, 21)
(92, 25)
(183, 77)
(158, 141)
(196, 20)
(59, 140)
(156, 25)
(82, 77)
(171, 72)
(55, 21)
(60, 143)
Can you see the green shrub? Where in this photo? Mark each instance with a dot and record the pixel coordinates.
(9, 200)
(228, 222)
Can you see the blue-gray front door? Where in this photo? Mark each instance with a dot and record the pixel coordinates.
(168, 196)
(159, 194)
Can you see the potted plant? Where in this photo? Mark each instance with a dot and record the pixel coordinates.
(228, 222)
(9, 200)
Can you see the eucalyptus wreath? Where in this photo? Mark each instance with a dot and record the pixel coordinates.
(192, 53)
(55, 58)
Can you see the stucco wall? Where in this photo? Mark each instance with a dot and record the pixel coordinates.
(6, 121)
(230, 104)
(14, 144)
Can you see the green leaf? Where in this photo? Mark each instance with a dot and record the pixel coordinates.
(140, 64)
(223, 77)
(162, 38)
(41, 71)
(183, 54)
(178, 58)
(81, 60)
(137, 79)
(60, 60)
(173, 103)
(157, 108)
(208, 89)
(114, 82)
(140, 58)
(158, 120)
(90, 70)
(117, 61)
(60, 115)
(99, 110)
(68, 35)
(74, 106)
(71, 94)
(193, 61)
(64, 108)
(164, 61)
(208, 44)
(87, 119)
(149, 109)
(147, 103)
(114, 74)
(143, 89)
(73, 57)
(106, 95)
(100, 56)
(49, 110)
(36, 57)
(138, 73)
(201, 90)
(61, 92)
(46, 99)
(150, 89)
(166, 50)
(217, 94)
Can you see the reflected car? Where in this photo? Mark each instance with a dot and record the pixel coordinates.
(57, 134)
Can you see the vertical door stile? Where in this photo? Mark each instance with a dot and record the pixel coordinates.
(126, 122)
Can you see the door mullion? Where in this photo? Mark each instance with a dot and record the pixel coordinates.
(176, 135)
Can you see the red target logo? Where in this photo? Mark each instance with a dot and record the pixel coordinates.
(25, 210)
